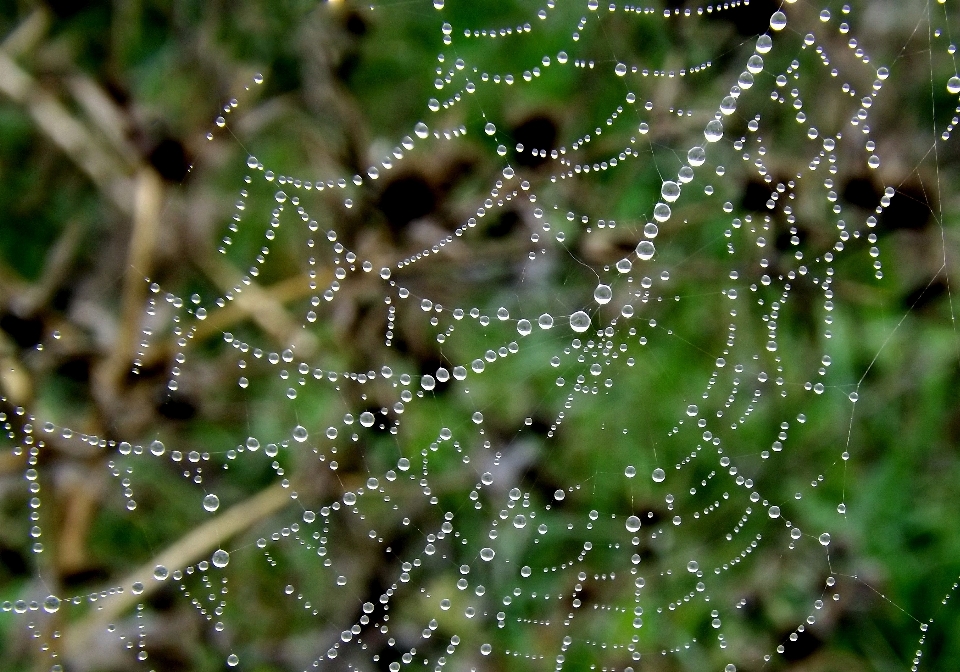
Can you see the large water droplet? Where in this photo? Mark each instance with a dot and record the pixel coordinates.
(778, 21)
(646, 250)
(825, 539)
(545, 321)
(953, 84)
(696, 156)
(633, 524)
(658, 475)
(220, 558)
(421, 130)
(693, 566)
(486, 554)
(580, 321)
(602, 294)
(670, 191)
(300, 433)
(211, 502)
(713, 131)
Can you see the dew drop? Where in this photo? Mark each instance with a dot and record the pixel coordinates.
(545, 321)
(489, 129)
(778, 21)
(693, 566)
(658, 475)
(579, 321)
(696, 156)
(220, 558)
(632, 524)
(953, 84)
(621, 69)
(524, 327)
(233, 660)
(661, 212)
(774, 511)
(713, 131)
(602, 294)
(421, 130)
(630, 471)
(51, 604)
(825, 539)
(646, 250)
(300, 433)
(160, 573)
(211, 502)
(670, 191)
(486, 554)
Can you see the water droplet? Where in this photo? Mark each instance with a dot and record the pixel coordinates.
(630, 471)
(778, 21)
(953, 84)
(421, 130)
(651, 230)
(349, 498)
(633, 524)
(136, 588)
(646, 250)
(160, 573)
(621, 69)
(579, 321)
(524, 327)
(520, 521)
(764, 44)
(692, 410)
(300, 433)
(489, 129)
(233, 660)
(693, 566)
(670, 191)
(403, 464)
(157, 448)
(366, 419)
(545, 321)
(211, 503)
(51, 604)
(825, 539)
(658, 475)
(602, 294)
(438, 4)
(624, 266)
(485, 649)
(713, 131)
(774, 511)
(220, 558)
(486, 554)
(559, 495)
(696, 156)
(661, 212)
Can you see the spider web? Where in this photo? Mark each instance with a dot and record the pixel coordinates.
(551, 493)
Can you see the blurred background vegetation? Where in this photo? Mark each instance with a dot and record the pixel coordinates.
(107, 177)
